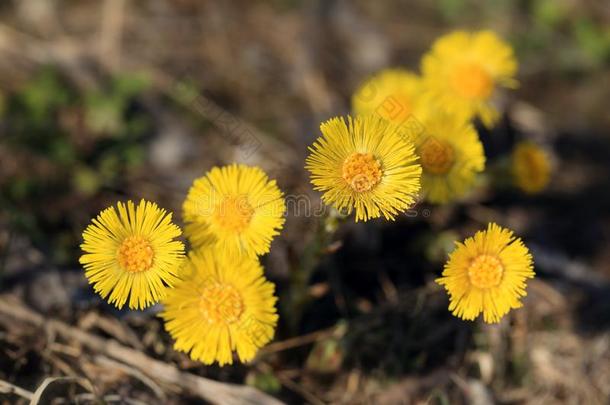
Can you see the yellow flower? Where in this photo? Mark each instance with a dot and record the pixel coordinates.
(463, 69)
(451, 155)
(130, 252)
(365, 164)
(224, 304)
(235, 209)
(531, 167)
(392, 94)
(487, 273)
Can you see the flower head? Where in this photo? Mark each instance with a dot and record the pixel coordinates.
(236, 209)
(487, 273)
(392, 94)
(130, 253)
(531, 167)
(366, 164)
(451, 155)
(223, 305)
(463, 69)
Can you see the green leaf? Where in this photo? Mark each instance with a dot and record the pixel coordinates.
(43, 95)
(549, 13)
(86, 181)
(594, 41)
(104, 114)
(264, 381)
(129, 85)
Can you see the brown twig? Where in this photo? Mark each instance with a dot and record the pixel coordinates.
(37, 396)
(235, 127)
(112, 327)
(8, 388)
(107, 362)
(209, 390)
(297, 341)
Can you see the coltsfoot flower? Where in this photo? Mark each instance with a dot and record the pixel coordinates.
(223, 305)
(487, 273)
(462, 71)
(364, 164)
(392, 94)
(130, 252)
(235, 209)
(451, 156)
(531, 167)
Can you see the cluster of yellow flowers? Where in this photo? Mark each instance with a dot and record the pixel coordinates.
(216, 300)
(460, 75)
(408, 135)
(413, 136)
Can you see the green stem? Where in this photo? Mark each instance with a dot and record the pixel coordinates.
(297, 297)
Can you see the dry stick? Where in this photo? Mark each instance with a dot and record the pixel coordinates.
(37, 396)
(212, 391)
(232, 125)
(113, 327)
(297, 341)
(107, 362)
(8, 388)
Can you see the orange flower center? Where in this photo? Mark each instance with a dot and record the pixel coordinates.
(485, 272)
(470, 80)
(361, 171)
(234, 213)
(397, 107)
(437, 156)
(221, 303)
(135, 254)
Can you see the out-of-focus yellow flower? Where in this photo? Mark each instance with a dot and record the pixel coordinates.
(462, 70)
(531, 167)
(223, 305)
(366, 164)
(487, 273)
(392, 94)
(130, 253)
(235, 209)
(451, 155)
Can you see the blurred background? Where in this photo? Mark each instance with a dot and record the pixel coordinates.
(113, 99)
